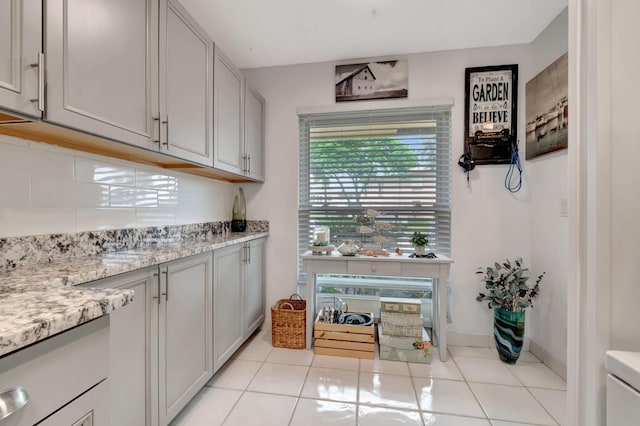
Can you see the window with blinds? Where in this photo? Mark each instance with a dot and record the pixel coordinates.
(396, 162)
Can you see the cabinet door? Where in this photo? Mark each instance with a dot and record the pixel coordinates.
(186, 92)
(254, 297)
(133, 349)
(227, 122)
(20, 45)
(228, 268)
(254, 133)
(185, 332)
(101, 60)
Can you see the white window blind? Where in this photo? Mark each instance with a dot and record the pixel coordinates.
(394, 161)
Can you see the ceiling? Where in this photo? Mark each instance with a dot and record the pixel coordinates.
(263, 33)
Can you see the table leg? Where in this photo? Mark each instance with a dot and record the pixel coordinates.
(310, 292)
(442, 317)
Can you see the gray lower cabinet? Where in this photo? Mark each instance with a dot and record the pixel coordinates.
(160, 344)
(238, 296)
(20, 62)
(65, 377)
(254, 291)
(133, 349)
(185, 332)
(228, 270)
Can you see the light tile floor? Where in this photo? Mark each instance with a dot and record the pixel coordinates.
(263, 386)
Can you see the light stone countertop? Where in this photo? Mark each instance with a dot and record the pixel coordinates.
(38, 301)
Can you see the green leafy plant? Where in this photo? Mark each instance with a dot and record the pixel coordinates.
(507, 286)
(418, 239)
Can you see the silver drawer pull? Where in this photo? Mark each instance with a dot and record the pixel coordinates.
(12, 400)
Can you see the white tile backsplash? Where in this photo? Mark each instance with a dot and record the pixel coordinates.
(104, 218)
(14, 191)
(88, 170)
(64, 193)
(47, 189)
(20, 160)
(121, 196)
(156, 180)
(35, 221)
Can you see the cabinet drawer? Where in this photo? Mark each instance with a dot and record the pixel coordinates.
(59, 369)
(373, 268)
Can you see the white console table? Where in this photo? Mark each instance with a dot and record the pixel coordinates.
(394, 266)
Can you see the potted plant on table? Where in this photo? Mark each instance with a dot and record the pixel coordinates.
(419, 241)
(509, 295)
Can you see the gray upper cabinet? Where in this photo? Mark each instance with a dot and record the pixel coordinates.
(102, 72)
(254, 132)
(20, 48)
(238, 122)
(186, 92)
(227, 122)
(141, 72)
(147, 84)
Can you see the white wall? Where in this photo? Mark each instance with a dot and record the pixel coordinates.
(625, 174)
(488, 222)
(603, 190)
(47, 189)
(550, 233)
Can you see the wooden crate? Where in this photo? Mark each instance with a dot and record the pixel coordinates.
(354, 341)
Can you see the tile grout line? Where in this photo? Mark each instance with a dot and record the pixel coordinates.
(304, 382)
(415, 394)
(466, 381)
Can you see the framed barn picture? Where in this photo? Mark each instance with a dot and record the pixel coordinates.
(491, 115)
(373, 80)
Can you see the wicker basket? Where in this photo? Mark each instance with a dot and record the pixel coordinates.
(289, 323)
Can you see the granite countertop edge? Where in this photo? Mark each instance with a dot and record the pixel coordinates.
(41, 300)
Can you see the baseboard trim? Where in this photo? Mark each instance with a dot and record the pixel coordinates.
(557, 366)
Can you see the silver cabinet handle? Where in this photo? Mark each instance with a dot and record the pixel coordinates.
(249, 166)
(40, 66)
(12, 400)
(156, 140)
(158, 282)
(166, 123)
(166, 280)
(249, 253)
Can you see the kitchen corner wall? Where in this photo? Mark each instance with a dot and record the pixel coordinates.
(488, 222)
(549, 222)
(46, 189)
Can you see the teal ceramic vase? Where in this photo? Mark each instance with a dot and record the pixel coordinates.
(508, 330)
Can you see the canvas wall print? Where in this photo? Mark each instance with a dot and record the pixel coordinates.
(547, 109)
(373, 80)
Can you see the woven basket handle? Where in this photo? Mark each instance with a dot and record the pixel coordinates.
(294, 295)
(284, 304)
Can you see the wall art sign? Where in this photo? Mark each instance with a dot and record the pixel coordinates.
(490, 117)
(373, 80)
(547, 109)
